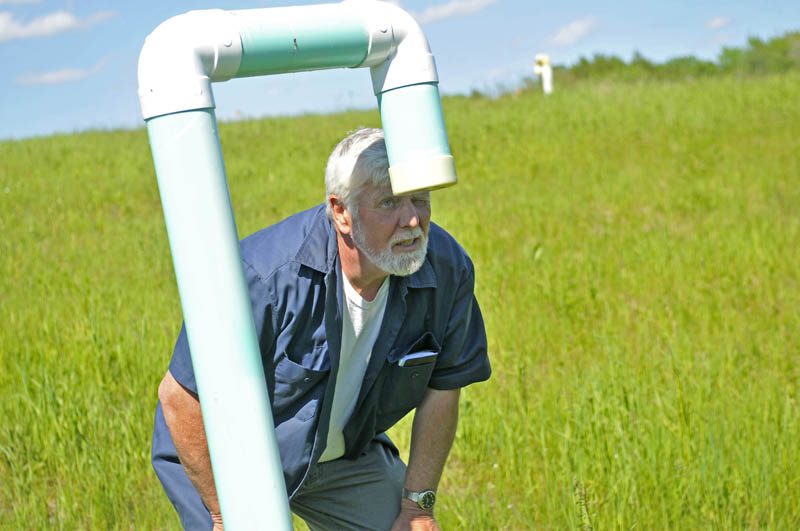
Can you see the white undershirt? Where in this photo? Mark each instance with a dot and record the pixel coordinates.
(360, 326)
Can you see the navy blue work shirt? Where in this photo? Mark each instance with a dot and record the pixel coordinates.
(293, 275)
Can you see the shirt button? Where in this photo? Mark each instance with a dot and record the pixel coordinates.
(306, 379)
(414, 374)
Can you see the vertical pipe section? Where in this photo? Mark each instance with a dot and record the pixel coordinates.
(416, 138)
(219, 320)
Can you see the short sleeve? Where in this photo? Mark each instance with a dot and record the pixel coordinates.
(463, 359)
(261, 300)
(181, 364)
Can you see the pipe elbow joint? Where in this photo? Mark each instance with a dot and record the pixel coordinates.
(405, 80)
(399, 54)
(181, 58)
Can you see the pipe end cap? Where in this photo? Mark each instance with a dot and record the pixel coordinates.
(427, 174)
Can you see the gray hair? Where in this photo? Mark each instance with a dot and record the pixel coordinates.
(358, 160)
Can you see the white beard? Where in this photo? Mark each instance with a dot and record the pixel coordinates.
(399, 264)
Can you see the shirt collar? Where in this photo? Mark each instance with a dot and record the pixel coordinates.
(319, 249)
(425, 277)
(322, 235)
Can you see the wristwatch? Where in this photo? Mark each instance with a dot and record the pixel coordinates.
(424, 499)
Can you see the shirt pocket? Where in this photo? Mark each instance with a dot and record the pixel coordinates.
(405, 387)
(298, 390)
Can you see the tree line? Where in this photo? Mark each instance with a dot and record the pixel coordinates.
(759, 57)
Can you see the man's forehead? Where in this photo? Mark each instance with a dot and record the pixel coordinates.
(378, 189)
(385, 190)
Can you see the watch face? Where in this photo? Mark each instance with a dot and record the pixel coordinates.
(427, 499)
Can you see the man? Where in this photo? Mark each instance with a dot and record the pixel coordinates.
(364, 310)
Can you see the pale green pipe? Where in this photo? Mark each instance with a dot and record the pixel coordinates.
(416, 142)
(177, 64)
(282, 40)
(292, 39)
(219, 320)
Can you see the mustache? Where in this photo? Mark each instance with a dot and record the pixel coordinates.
(408, 234)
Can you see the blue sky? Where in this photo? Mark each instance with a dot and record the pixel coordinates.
(70, 65)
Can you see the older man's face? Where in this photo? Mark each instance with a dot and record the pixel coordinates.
(392, 231)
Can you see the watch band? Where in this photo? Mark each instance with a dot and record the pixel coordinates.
(425, 499)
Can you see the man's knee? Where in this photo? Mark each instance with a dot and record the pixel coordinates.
(354, 494)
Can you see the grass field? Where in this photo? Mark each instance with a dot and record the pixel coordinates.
(636, 250)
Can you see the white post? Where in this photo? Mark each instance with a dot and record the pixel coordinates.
(541, 67)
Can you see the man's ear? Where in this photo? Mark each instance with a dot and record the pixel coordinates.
(341, 215)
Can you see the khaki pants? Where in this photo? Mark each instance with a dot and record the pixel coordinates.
(359, 494)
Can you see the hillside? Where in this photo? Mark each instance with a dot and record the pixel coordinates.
(636, 251)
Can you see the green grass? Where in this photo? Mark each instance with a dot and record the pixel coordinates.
(636, 249)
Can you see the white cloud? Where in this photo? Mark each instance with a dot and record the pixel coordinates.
(57, 77)
(573, 32)
(718, 22)
(47, 25)
(451, 9)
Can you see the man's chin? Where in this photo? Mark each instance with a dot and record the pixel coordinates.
(399, 262)
(406, 263)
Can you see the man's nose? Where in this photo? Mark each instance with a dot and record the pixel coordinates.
(409, 217)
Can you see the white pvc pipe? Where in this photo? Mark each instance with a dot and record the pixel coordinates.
(177, 65)
(183, 55)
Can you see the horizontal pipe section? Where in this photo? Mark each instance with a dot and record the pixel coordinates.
(293, 39)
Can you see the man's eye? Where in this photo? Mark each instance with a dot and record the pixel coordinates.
(387, 203)
(421, 201)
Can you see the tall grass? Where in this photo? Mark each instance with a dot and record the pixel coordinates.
(635, 249)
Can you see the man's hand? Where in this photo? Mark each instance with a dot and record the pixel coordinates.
(184, 419)
(413, 518)
(432, 434)
(216, 517)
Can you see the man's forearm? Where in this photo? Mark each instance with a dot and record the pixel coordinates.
(432, 435)
(185, 422)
